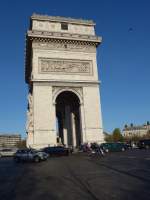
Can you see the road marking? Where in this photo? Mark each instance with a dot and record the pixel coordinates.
(147, 158)
(131, 157)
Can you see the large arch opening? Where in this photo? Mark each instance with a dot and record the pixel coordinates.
(68, 119)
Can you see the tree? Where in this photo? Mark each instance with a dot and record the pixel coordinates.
(108, 138)
(148, 134)
(117, 136)
(21, 144)
(3, 145)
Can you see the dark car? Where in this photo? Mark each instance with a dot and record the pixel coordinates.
(128, 145)
(30, 155)
(113, 146)
(57, 150)
(144, 144)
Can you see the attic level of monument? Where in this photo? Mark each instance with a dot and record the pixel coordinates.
(67, 26)
(46, 33)
(61, 19)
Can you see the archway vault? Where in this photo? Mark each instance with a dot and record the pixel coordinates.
(69, 119)
(76, 90)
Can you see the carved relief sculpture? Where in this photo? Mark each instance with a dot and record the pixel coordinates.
(66, 66)
(29, 124)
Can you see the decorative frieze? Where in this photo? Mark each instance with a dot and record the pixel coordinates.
(65, 66)
(60, 35)
(65, 46)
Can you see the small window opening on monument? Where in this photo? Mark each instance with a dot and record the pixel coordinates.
(64, 26)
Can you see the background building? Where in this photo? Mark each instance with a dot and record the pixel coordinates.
(9, 140)
(134, 130)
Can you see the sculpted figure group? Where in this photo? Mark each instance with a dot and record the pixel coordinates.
(29, 125)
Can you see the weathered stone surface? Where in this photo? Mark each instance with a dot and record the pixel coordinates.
(56, 64)
(65, 66)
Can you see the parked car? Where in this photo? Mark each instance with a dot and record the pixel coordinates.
(128, 145)
(113, 146)
(30, 155)
(144, 144)
(7, 152)
(57, 150)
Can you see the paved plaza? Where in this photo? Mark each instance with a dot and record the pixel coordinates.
(119, 176)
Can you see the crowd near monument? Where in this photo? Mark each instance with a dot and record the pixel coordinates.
(62, 76)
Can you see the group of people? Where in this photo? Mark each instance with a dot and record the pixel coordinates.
(92, 148)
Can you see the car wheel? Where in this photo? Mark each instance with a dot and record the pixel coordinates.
(36, 159)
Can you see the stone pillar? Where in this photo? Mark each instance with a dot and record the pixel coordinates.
(60, 128)
(82, 123)
(74, 142)
(53, 122)
(67, 126)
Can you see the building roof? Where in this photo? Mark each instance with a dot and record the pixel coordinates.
(9, 134)
(135, 128)
(61, 19)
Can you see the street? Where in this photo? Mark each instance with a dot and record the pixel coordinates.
(119, 176)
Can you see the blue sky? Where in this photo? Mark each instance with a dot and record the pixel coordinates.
(123, 57)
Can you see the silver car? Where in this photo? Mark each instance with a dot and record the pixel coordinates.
(30, 155)
(7, 152)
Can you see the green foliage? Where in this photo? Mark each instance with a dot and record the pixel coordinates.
(117, 136)
(3, 145)
(108, 138)
(21, 144)
(147, 136)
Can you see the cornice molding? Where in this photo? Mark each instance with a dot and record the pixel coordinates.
(61, 19)
(45, 35)
(65, 82)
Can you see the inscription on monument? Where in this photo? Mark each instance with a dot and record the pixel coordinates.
(65, 66)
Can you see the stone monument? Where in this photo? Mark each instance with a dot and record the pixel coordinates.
(61, 73)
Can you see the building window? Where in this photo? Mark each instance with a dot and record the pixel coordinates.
(64, 26)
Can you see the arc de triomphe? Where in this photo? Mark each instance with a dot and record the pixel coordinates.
(61, 72)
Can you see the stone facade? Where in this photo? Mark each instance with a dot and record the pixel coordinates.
(59, 61)
(131, 131)
(9, 140)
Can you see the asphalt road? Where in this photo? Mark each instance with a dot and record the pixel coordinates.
(119, 176)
